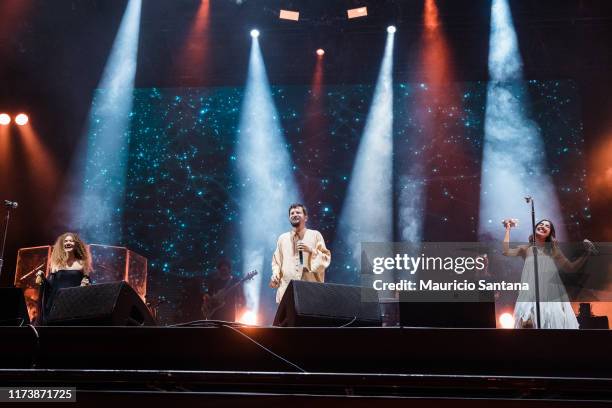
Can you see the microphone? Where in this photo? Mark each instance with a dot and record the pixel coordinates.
(589, 246)
(11, 204)
(301, 254)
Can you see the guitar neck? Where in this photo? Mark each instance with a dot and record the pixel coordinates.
(233, 286)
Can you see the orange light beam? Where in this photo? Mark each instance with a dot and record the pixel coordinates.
(436, 56)
(317, 78)
(194, 54)
(600, 171)
(40, 162)
(315, 132)
(6, 162)
(431, 16)
(440, 111)
(12, 12)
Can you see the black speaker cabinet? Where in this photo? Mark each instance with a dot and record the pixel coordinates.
(594, 322)
(13, 310)
(106, 304)
(313, 304)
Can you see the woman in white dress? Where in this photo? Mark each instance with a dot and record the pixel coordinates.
(555, 309)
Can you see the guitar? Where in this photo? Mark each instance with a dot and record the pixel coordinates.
(217, 300)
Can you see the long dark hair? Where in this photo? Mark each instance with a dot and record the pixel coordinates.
(550, 243)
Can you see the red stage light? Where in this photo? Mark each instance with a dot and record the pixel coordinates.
(21, 119)
(432, 17)
(5, 119)
(320, 52)
(195, 51)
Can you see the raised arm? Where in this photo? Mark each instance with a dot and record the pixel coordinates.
(566, 265)
(518, 251)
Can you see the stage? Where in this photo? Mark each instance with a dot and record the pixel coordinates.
(262, 365)
(400, 167)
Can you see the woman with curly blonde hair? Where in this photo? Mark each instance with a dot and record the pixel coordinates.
(70, 266)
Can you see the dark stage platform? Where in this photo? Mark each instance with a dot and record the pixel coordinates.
(263, 365)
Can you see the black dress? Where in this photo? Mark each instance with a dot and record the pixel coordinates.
(54, 282)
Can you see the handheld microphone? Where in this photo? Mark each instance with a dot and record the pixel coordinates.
(589, 246)
(11, 204)
(301, 254)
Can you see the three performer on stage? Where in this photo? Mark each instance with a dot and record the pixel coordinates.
(301, 254)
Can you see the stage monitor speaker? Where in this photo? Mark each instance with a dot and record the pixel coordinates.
(313, 304)
(105, 304)
(448, 314)
(587, 320)
(13, 310)
(595, 322)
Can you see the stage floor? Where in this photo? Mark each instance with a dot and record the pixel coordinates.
(272, 364)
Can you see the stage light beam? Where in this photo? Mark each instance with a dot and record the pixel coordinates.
(367, 213)
(320, 52)
(255, 33)
(431, 15)
(5, 119)
(391, 29)
(267, 182)
(415, 182)
(99, 217)
(514, 160)
(40, 162)
(193, 60)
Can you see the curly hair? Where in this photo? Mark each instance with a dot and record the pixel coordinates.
(59, 257)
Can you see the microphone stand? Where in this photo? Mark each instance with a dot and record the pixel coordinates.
(535, 262)
(6, 224)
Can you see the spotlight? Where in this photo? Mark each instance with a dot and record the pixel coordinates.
(391, 29)
(320, 52)
(249, 317)
(289, 15)
(357, 12)
(4, 119)
(21, 119)
(254, 33)
(506, 320)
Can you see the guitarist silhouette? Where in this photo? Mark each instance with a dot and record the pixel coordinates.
(221, 301)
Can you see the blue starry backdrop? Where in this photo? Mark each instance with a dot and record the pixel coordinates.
(182, 188)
